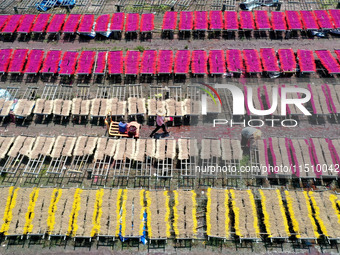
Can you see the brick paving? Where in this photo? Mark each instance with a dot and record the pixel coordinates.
(203, 130)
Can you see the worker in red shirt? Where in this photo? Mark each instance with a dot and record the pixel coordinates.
(160, 123)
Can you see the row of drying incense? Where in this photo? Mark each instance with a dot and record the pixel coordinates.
(73, 212)
(69, 146)
(165, 61)
(325, 100)
(134, 213)
(86, 213)
(257, 20)
(311, 214)
(198, 20)
(321, 155)
(100, 107)
(305, 158)
(61, 23)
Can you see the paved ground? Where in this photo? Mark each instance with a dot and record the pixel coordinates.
(175, 44)
(198, 132)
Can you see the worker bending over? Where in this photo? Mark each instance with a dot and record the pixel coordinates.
(248, 136)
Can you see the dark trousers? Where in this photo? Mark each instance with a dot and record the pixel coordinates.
(244, 145)
(158, 128)
(244, 141)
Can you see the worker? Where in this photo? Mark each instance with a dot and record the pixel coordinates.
(248, 136)
(122, 126)
(160, 123)
(133, 129)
